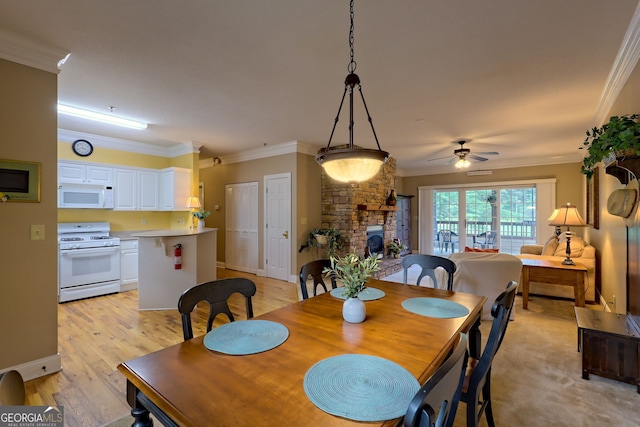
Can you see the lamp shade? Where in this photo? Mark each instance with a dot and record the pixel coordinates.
(193, 202)
(567, 215)
(553, 216)
(352, 165)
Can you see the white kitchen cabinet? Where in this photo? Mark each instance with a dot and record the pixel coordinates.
(175, 189)
(76, 173)
(135, 190)
(147, 186)
(128, 264)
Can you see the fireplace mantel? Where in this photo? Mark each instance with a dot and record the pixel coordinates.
(377, 208)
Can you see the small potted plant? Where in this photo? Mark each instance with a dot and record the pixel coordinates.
(330, 238)
(620, 136)
(395, 247)
(201, 215)
(353, 271)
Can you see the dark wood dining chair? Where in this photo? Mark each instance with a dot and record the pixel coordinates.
(476, 389)
(435, 402)
(429, 263)
(216, 293)
(314, 269)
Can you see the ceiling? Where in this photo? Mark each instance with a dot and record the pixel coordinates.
(523, 78)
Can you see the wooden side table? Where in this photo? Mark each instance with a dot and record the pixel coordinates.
(609, 347)
(548, 271)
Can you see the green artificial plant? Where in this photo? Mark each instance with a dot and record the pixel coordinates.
(353, 271)
(620, 135)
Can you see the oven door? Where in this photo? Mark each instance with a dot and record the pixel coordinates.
(90, 265)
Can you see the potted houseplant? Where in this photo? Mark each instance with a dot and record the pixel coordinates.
(201, 215)
(620, 136)
(395, 247)
(353, 271)
(330, 237)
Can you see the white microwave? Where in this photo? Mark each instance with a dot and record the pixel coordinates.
(85, 196)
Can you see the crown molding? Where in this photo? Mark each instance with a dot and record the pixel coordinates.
(264, 152)
(623, 66)
(174, 150)
(19, 49)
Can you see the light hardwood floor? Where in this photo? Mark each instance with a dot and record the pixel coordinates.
(96, 334)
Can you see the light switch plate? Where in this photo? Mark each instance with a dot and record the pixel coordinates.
(37, 232)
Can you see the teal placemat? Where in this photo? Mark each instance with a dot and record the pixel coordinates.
(246, 337)
(360, 387)
(435, 307)
(369, 294)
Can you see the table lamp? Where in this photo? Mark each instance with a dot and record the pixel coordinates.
(569, 216)
(193, 203)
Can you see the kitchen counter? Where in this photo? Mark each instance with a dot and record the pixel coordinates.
(160, 284)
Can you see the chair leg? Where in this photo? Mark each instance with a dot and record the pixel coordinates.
(486, 396)
(472, 412)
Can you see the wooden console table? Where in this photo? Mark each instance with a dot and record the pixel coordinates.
(609, 346)
(547, 271)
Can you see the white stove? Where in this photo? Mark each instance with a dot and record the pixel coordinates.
(78, 235)
(89, 260)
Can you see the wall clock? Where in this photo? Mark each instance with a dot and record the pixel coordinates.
(82, 147)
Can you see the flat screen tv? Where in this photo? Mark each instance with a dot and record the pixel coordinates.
(13, 180)
(633, 278)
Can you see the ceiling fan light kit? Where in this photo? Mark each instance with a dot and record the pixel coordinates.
(462, 156)
(352, 164)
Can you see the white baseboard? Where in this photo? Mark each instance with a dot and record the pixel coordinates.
(128, 286)
(38, 368)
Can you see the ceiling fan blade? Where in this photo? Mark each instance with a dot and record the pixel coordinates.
(452, 160)
(478, 158)
(487, 153)
(438, 158)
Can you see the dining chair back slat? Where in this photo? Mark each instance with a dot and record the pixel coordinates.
(315, 269)
(429, 263)
(216, 293)
(435, 402)
(476, 391)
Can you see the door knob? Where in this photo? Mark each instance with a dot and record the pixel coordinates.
(285, 234)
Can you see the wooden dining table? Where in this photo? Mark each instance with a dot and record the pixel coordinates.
(190, 385)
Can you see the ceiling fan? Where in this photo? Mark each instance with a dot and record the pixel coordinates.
(462, 156)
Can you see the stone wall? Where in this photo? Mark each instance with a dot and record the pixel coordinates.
(340, 207)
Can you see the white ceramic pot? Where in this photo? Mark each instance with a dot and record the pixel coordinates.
(321, 239)
(354, 310)
(201, 224)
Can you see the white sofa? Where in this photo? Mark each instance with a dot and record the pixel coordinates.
(484, 273)
(555, 249)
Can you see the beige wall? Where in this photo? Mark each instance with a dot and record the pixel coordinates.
(305, 190)
(569, 185)
(28, 287)
(611, 238)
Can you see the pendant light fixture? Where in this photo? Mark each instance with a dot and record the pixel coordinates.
(352, 164)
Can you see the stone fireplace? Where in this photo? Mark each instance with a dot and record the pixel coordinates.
(352, 208)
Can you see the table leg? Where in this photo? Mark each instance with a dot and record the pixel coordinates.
(525, 287)
(579, 289)
(475, 340)
(139, 413)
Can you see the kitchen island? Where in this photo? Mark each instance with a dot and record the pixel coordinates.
(160, 284)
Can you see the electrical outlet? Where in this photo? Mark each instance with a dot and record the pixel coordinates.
(144, 221)
(614, 302)
(180, 220)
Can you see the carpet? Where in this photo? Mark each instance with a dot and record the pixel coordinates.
(537, 381)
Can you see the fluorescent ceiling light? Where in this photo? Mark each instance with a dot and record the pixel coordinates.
(99, 117)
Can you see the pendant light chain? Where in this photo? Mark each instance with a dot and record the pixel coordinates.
(352, 63)
(352, 164)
